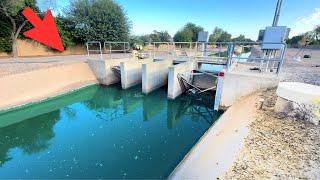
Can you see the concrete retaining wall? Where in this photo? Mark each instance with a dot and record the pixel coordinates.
(174, 88)
(131, 72)
(102, 69)
(155, 75)
(238, 85)
(36, 85)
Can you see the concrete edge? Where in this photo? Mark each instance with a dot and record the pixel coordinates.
(59, 93)
(214, 130)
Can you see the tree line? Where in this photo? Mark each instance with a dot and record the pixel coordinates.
(308, 38)
(87, 20)
(189, 33)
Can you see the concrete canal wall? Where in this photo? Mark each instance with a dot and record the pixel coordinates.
(155, 75)
(131, 72)
(39, 84)
(237, 85)
(174, 88)
(217, 149)
(102, 69)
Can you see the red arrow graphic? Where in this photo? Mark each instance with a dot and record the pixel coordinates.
(45, 31)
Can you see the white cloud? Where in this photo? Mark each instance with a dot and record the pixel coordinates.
(310, 20)
(304, 24)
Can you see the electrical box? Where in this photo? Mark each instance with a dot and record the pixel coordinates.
(261, 34)
(274, 36)
(203, 36)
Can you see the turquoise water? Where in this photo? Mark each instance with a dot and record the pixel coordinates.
(101, 132)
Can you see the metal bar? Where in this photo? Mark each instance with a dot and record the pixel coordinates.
(277, 13)
(282, 59)
(110, 50)
(100, 51)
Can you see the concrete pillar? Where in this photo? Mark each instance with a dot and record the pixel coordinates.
(155, 75)
(174, 88)
(102, 69)
(131, 72)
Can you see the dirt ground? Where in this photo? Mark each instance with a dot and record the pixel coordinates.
(280, 147)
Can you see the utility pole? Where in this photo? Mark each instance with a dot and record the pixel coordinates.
(277, 13)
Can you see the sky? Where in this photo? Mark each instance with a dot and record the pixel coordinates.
(237, 17)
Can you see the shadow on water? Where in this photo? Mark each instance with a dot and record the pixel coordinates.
(193, 106)
(31, 135)
(28, 111)
(119, 102)
(30, 127)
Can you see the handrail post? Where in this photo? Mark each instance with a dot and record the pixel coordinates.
(281, 58)
(100, 51)
(110, 50)
(230, 54)
(124, 49)
(87, 44)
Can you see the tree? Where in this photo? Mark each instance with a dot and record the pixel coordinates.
(65, 28)
(139, 40)
(183, 36)
(295, 40)
(12, 22)
(219, 35)
(316, 33)
(101, 20)
(189, 33)
(160, 36)
(241, 38)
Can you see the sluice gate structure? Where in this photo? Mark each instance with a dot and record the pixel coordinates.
(235, 69)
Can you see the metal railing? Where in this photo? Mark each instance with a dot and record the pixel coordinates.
(95, 47)
(227, 53)
(116, 47)
(257, 54)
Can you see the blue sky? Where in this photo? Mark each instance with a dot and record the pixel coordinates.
(236, 16)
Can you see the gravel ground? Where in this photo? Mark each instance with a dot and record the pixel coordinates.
(280, 147)
(306, 70)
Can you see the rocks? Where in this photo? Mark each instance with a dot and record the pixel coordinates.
(278, 147)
